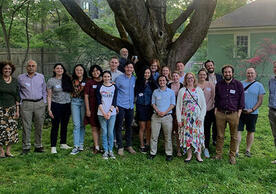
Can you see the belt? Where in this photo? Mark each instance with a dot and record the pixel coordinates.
(227, 112)
(31, 100)
(164, 115)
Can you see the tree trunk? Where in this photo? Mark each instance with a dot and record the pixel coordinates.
(5, 33)
(27, 36)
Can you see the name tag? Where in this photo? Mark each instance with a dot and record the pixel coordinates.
(83, 84)
(94, 86)
(28, 84)
(141, 94)
(58, 86)
(232, 91)
(246, 92)
(208, 89)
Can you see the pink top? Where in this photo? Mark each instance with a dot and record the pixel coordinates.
(209, 93)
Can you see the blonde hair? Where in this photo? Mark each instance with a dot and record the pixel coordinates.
(169, 76)
(186, 77)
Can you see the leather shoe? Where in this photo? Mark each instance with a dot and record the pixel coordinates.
(150, 157)
(39, 150)
(25, 151)
(169, 158)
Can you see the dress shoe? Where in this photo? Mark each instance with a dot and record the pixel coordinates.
(169, 158)
(39, 150)
(25, 151)
(150, 157)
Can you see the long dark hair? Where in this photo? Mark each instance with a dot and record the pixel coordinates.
(93, 67)
(141, 82)
(66, 82)
(75, 77)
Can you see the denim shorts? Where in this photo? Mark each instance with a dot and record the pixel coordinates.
(249, 120)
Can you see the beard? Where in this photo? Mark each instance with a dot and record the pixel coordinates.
(228, 78)
(210, 70)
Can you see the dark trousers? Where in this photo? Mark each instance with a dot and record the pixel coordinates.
(61, 114)
(210, 120)
(126, 114)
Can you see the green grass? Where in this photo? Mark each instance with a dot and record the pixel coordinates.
(87, 173)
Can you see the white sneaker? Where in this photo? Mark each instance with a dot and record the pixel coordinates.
(53, 150)
(105, 155)
(111, 155)
(81, 148)
(75, 151)
(206, 153)
(65, 146)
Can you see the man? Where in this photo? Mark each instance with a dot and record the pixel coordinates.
(125, 104)
(123, 59)
(180, 68)
(229, 102)
(272, 105)
(210, 118)
(32, 89)
(113, 64)
(163, 101)
(254, 93)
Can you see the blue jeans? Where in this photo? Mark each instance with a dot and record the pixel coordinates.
(107, 132)
(78, 112)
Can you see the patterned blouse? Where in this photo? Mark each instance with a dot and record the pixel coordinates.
(78, 89)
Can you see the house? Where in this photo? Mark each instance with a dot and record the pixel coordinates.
(239, 37)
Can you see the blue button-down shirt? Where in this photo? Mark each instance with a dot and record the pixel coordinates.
(125, 96)
(163, 99)
(272, 93)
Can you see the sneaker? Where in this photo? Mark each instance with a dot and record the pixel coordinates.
(53, 150)
(248, 154)
(65, 146)
(105, 155)
(143, 150)
(206, 153)
(111, 155)
(81, 148)
(237, 154)
(131, 150)
(232, 160)
(121, 151)
(273, 162)
(75, 151)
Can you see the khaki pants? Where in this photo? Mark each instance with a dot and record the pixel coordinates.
(222, 120)
(272, 121)
(166, 123)
(30, 111)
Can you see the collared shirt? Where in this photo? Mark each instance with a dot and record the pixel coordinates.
(163, 99)
(212, 78)
(272, 93)
(125, 85)
(251, 95)
(32, 88)
(115, 74)
(229, 96)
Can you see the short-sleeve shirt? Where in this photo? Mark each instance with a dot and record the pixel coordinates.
(251, 94)
(58, 95)
(106, 96)
(163, 99)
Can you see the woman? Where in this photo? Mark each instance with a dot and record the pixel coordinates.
(9, 108)
(209, 94)
(59, 88)
(176, 86)
(77, 107)
(144, 87)
(155, 67)
(107, 97)
(91, 106)
(167, 73)
(190, 112)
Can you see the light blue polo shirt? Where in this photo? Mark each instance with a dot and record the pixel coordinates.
(163, 99)
(251, 94)
(272, 93)
(125, 86)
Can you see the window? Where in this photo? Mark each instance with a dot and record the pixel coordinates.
(85, 5)
(242, 46)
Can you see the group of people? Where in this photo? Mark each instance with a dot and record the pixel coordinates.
(186, 108)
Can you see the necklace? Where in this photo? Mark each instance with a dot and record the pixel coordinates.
(7, 81)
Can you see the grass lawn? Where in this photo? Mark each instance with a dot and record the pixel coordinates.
(87, 173)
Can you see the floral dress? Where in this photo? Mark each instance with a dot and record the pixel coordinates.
(191, 134)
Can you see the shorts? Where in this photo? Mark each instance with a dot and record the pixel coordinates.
(249, 120)
(143, 112)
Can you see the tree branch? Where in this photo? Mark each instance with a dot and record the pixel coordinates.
(181, 18)
(89, 27)
(121, 29)
(27, 36)
(193, 35)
